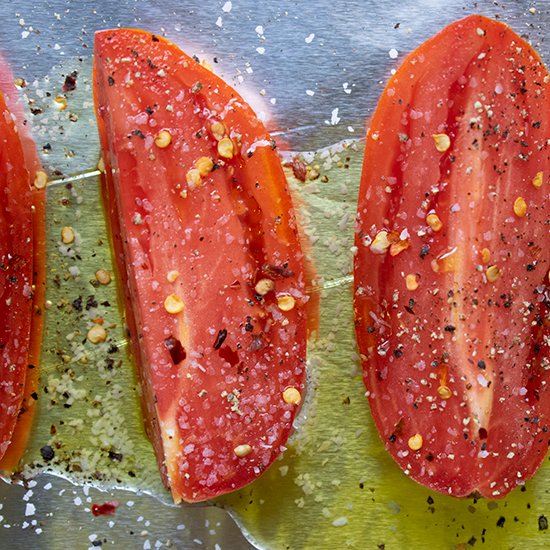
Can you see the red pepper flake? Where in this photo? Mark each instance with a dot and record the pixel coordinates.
(299, 169)
(276, 271)
(70, 82)
(229, 355)
(177, 351)
(106, 509)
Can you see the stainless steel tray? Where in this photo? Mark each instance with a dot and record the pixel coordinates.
(314, 70)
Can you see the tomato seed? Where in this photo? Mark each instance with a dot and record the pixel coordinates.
(67, 235)
(163, 139)
(286, 302)
(173, 304)
(97, 334)
(442, 142)
(292, 396)
(520, 207)
(226, 148)
(537, 180)
(492, 273)
(242, 450)
(41, 179)
(415, 442)
(434, 222)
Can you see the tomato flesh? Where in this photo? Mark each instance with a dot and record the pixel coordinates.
(215, 353)
(451, 274)
(18, 285)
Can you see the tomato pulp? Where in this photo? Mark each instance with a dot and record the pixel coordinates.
(452, 267)
(205, 237)
(22, 285)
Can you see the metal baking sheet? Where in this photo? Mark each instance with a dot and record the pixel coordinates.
(313, 70)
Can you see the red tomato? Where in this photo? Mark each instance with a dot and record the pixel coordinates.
(205, 235)
(451, 274)
(21, 280)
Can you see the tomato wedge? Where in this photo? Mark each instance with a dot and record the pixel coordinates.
(451, 273)
(22, 285)
(211, 266)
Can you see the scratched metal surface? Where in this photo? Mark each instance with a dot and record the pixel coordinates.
(314, 71)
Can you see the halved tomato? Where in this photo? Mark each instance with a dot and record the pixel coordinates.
(212, 270)
(451, 273)
(22, 261)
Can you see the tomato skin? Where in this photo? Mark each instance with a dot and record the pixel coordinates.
(456, 362)
(21, 280)
(213, 375)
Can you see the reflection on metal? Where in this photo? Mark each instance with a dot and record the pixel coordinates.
(76, 177)
(335, 486)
